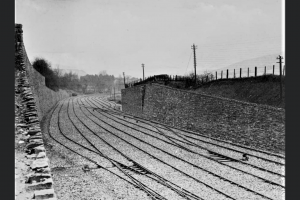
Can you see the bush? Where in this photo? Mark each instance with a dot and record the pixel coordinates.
(74, 94)
(44, 68)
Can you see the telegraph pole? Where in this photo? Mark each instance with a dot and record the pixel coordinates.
(194, 49)
(124, 79)
(143, 71)
(280, 62)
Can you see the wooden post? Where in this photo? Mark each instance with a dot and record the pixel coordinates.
(143, 71)
(265, 70)
(280, 73)
(227, 74)
(273, 69)
(234, 73)
(248, 71)
(206, 78)
(240, 72)
(124, 79)
(255, 72)
(194, 47)
(216, 75)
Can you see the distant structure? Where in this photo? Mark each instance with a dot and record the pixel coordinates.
(194, 47)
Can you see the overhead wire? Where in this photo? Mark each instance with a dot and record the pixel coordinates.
(188, 63)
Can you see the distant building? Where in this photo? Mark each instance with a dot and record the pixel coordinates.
(90, 89)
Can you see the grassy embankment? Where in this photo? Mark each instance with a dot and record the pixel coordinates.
(261, 90)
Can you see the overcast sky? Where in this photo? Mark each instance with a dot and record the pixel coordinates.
(119, 35)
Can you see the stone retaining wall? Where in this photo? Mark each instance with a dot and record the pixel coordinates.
(245, 123)
(45, 97)
(36, 101)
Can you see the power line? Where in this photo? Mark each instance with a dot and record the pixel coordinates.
(188, 62)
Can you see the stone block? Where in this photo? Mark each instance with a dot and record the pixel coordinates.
(44, 194)
(31, 156)
(41, 184)
(45, 170)
(36, 140)
(32, 145)
(39, 149)
(41, 155)
(39, 136)
(34, 132)
(39, 163)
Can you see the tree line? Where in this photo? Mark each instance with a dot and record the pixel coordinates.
(55, 79)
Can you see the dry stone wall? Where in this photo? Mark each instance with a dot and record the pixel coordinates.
(31, 103)
(245, 123)
(45, 98)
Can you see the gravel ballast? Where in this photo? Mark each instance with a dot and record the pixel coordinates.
(156, 151)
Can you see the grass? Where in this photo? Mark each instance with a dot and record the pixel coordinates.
(261, 90)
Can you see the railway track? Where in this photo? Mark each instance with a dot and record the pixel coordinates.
(118, 165)
(108, 131)
(84, 119)
(164, 126)
(216, 175)
(183, 140)
(123, 168)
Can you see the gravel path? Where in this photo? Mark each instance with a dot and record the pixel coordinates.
(175, 163)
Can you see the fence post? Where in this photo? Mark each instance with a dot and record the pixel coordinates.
(240, 72)
(227, 74)
(234, 73)
(265, 70)
(255, 73)
(206, 78)
(248, 71)
(222, 74)
(216, 75)
(273, 69)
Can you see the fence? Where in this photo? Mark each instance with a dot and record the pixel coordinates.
(248, 72)
(160, 78)
(212, 76)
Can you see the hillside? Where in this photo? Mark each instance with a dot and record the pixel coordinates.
(261, 90)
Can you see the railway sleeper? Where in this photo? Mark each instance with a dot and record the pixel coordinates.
(220, 157)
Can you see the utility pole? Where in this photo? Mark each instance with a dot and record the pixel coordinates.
(280, 62)
(143, 71)
(124, 79)
(194, 49)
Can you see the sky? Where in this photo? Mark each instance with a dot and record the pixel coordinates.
(119, 35)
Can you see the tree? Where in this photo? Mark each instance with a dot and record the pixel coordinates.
(58, 73)
(44, 68)
(204, 77)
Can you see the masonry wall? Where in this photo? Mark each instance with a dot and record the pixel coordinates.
(33, 99)
(248, 124)
(45, 98)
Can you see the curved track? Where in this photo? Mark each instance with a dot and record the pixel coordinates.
(162, 161)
